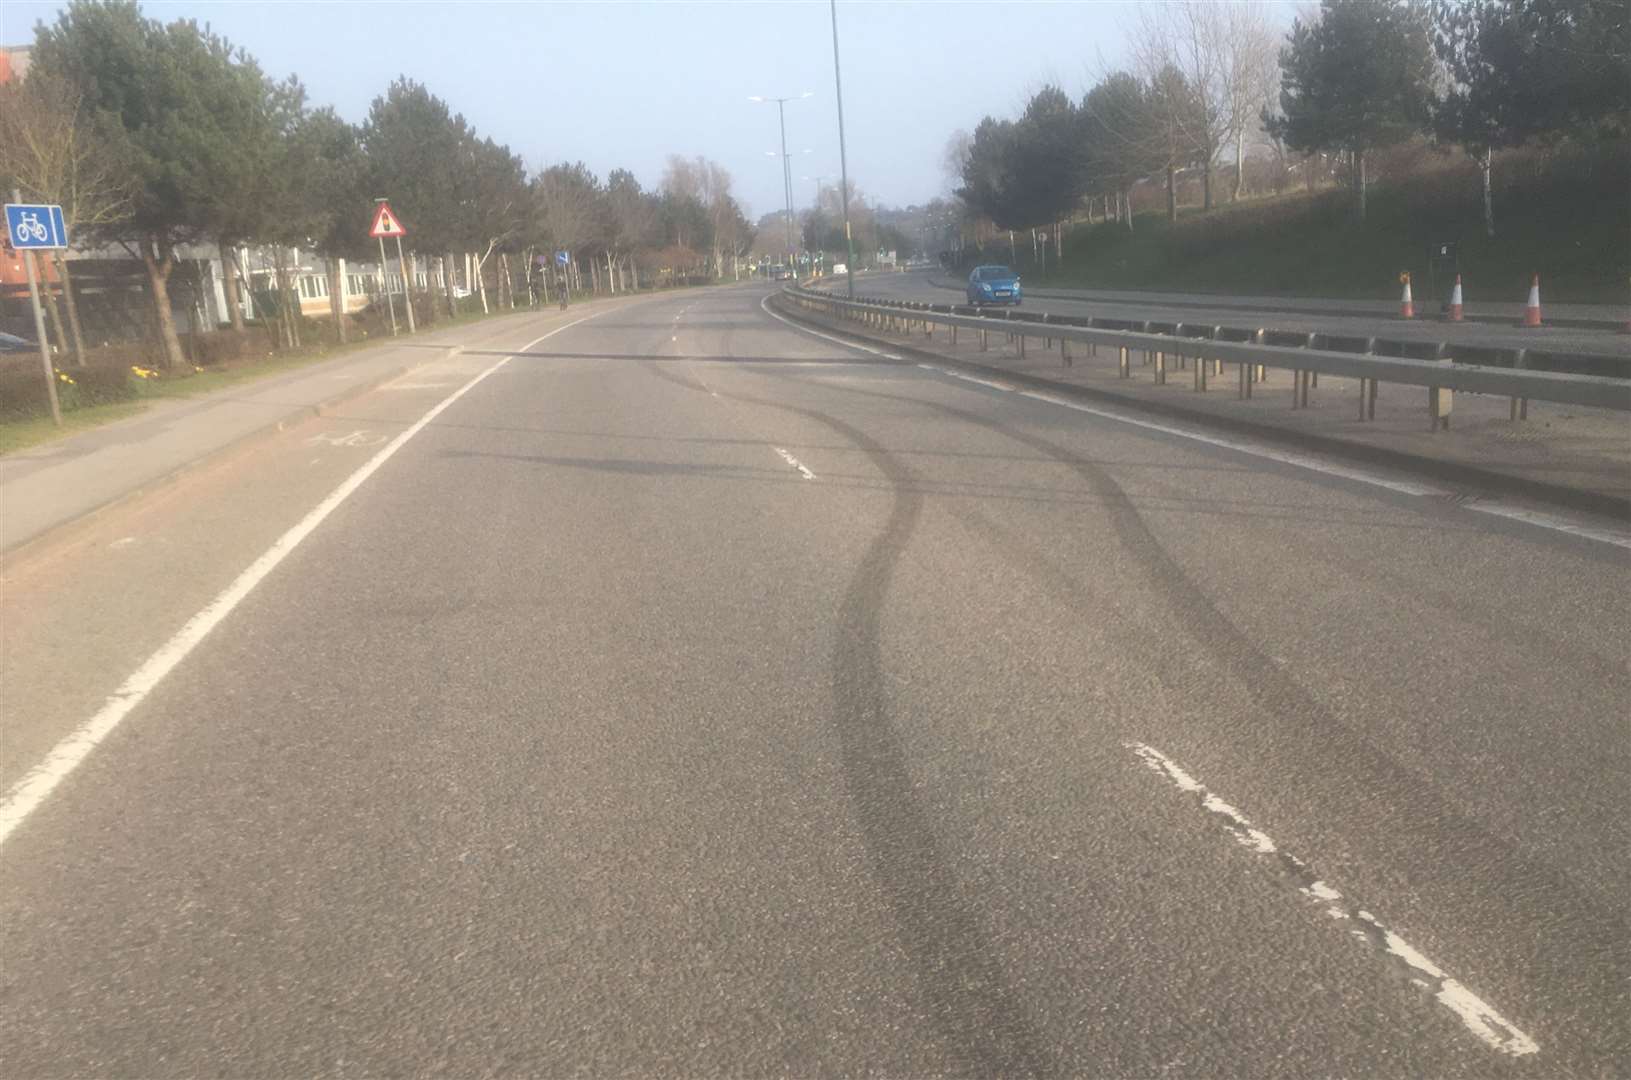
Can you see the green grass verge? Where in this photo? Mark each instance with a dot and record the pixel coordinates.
(1571, 226)
(31, 431)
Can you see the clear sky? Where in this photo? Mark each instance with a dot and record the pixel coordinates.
(624, 84)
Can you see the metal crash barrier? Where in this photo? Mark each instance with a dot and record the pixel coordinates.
(1165, 346)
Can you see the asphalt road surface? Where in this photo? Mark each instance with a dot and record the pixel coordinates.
(684, 694)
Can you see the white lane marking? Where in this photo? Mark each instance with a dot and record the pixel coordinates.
(993, 384)
(123, 541)
(793, 461)
(1494, 507)
(765, 307)
(361, 437)
(1483, 1021)
(415, 385)
(1539, 519)
(1542, 520)
(1284, 457)
(29, 792)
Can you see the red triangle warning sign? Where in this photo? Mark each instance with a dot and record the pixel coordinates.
(385, 223)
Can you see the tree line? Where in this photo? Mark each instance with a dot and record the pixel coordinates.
(1352, 78)
(154, 136)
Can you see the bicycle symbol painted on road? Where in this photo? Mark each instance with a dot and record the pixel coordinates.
(355, 438)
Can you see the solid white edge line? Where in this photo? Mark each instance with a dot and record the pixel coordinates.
(1483, 1021)
(1535, 518)
(765, 306)
(1542, 520)
(37, 784)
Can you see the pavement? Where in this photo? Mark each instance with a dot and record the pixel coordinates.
(677, 693)
(50, 485)
(1357, 318)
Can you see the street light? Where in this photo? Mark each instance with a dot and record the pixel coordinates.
(787, 172)
(843, 159)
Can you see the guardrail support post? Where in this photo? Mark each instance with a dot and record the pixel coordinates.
(1362, 382)
(1126, 366)
(1064, 352)
(1245, 387)
(954, 337)
(1370, 402)
(1439, 401)
(1160, 369)
(985, 339)
(1200, 374)
(1022, 346)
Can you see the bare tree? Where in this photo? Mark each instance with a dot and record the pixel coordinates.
(955, 157)
(1248, 77)
(1179, 50)
(714, 191)
(680, 179)
(1228, 55)
(51, 150)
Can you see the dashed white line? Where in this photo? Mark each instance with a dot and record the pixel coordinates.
(1493, 1029)
(37, 784)
(793, 461)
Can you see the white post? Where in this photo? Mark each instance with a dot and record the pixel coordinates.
(407, 289)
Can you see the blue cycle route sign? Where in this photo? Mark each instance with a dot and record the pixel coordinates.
(562, 258)
(35, 225)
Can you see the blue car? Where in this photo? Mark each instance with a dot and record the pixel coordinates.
(994, 285)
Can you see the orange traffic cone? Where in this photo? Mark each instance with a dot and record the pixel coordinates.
(1531, 311)
(1407, 306)
(1455, 300)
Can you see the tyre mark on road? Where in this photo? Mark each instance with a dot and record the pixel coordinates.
(1391, 795)
(965, 991)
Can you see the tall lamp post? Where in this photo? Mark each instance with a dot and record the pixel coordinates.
(843, 159)
(787, 171)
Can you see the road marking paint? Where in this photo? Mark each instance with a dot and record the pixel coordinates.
(1494, 1030)
(1543, 520)
(361, 437)
(764, 305)
(415, 385)
(1284, 457)
(793, 461)
(28, 793)
(123, 541)
(993, 384)
(1494, 507)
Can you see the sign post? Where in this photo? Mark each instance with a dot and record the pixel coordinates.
(388, 224)
(31, 227)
